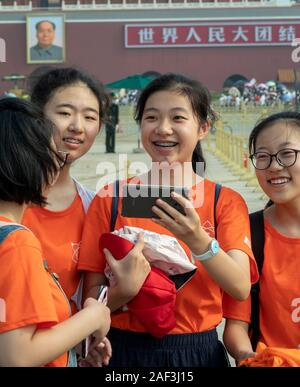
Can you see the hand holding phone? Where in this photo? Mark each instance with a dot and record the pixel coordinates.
(138, 200)
(101, 297)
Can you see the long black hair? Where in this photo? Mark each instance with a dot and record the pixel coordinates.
(28, 161)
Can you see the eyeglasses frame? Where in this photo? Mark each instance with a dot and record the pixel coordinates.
(271, 155)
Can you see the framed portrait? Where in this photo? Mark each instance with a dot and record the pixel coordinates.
(45, 38)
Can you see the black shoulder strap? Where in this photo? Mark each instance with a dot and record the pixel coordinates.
(257, 241)
(114, 206)
(258, 237)
(217, 194)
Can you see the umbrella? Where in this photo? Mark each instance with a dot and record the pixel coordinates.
(13, 77)
(271, 84)
(280, 86)
(9, 94)
(137, 82)
(262, 86)
(240, 84)
(234, 92)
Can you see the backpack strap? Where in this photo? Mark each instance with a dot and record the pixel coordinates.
(114, 206)
(6, 228)
(258, 241)
(217, 194)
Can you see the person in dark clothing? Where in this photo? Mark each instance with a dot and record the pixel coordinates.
(111, 126)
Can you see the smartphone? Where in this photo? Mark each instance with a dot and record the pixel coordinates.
(101, 297)
(138, 200)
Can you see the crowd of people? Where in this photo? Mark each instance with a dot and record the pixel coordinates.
(54, 270)
(252, 93)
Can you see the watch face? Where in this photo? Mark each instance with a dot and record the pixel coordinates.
(215, 246)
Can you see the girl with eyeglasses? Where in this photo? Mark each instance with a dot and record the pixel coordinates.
(36, 324)
(77, 105)
(274, 145)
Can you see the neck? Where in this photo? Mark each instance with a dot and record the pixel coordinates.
(63, 192)
(64, 177)
(12, 210)
(285, 218)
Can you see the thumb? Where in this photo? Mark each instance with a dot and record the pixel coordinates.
(109, 258)
(140, 244)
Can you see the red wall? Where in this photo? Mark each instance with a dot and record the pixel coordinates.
(99, 48)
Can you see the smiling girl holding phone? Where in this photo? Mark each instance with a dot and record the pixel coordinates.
(174, 115)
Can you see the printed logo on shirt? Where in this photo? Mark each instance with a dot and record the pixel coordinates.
(247, 242)
(2, 310)
(208, 227)
(296, 312)
(75, 249)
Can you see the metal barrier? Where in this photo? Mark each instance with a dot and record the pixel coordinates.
(232, 150)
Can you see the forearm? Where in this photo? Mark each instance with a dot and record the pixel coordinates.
(236, 340)
(231, 276)
(25, 349)
(115, 299)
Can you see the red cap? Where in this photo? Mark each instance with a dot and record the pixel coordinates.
(154, 305)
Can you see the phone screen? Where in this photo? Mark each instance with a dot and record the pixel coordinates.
(138, 200)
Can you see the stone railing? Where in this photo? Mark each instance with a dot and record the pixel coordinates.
(105, 4)
(72, 5)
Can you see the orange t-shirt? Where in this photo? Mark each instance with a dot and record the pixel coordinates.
(273, 357)
(28, 292)
(59, 233)
(199, 303)
(279, 292)
(237, 310)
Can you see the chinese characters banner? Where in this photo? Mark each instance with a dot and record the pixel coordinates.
(211, 34)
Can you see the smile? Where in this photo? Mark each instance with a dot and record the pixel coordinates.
(165, 144)
(72, 140)
(279, 180)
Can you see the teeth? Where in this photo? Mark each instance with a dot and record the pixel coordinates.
(279, 181)
(165, 144)
(72, 141)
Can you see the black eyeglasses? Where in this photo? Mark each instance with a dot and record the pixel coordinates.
(62, 158)
(285, 157)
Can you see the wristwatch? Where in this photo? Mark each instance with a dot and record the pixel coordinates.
(213, 250)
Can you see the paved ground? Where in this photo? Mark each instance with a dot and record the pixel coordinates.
(90, 170)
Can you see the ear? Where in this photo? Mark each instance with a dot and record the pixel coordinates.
(203, 130)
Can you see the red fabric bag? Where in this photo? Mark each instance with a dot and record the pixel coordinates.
(154, 305)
